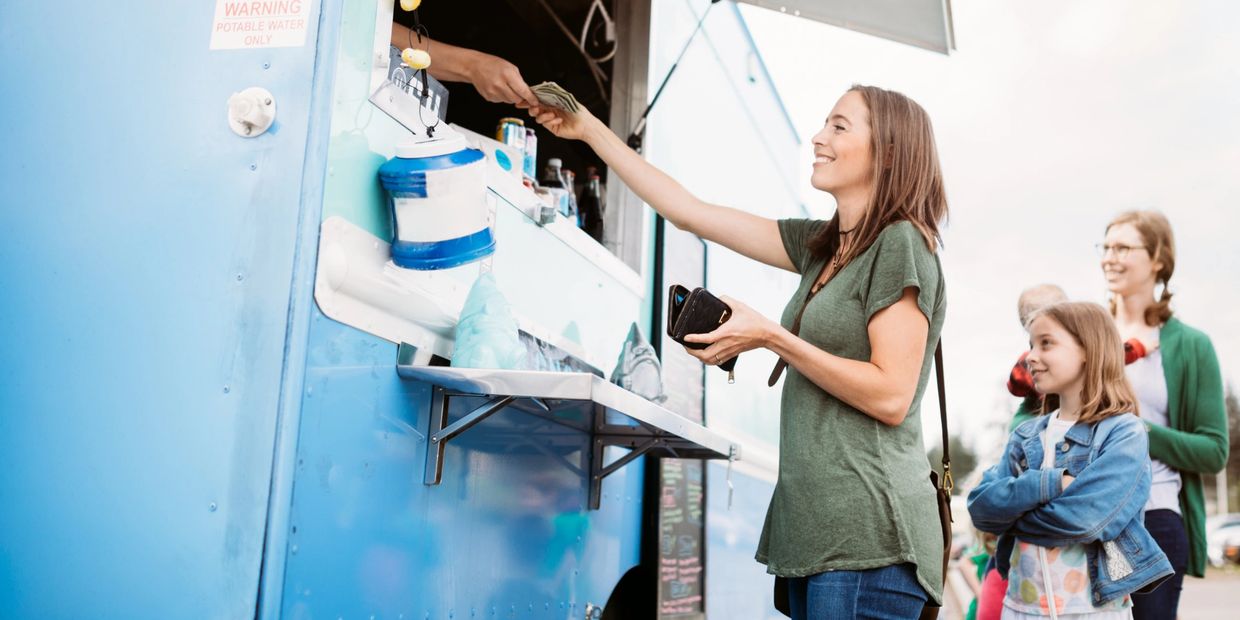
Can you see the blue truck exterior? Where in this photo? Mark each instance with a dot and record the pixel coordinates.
(188, 436)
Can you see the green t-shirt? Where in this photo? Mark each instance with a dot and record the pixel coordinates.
(854, 493)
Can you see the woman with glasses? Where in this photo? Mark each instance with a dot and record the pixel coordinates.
(1180, 390)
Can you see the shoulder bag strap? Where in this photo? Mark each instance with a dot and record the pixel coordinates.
(946, 481)
(780, 364)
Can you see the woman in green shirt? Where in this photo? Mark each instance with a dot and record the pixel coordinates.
(853, 522)
(1180, 391)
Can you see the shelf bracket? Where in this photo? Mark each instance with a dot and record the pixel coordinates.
(441, 432)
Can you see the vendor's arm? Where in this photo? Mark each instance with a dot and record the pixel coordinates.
(496, 79)
(742, 232)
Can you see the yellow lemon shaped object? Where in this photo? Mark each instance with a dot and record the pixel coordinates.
(416, 59)
(410, 5)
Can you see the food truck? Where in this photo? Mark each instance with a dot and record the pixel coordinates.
(230, 384)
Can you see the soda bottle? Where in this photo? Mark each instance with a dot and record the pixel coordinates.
(590, 208)
(551, 174)
(570, 206)
(553, 182)
(530, 164)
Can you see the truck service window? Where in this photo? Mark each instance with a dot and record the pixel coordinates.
(573, 43)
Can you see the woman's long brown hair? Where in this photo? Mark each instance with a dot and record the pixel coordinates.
(907, 181)
(1155, 232)
(1106, 390)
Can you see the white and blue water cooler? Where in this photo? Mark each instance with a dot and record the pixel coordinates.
(437, 194)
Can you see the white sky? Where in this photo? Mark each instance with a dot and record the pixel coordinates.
(1050, 118)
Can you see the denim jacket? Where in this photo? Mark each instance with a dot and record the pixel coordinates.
(1102, 508)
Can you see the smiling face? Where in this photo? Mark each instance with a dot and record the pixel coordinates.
(1135, 272)
(843, 161)
(1056, 360)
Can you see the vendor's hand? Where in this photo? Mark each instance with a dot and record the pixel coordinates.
(499, 81)
(562, 123)
(1066, 481)
(745, 330)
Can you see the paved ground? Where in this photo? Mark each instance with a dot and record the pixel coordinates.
(1215, 597)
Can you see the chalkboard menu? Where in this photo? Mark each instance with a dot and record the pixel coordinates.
(682, 581)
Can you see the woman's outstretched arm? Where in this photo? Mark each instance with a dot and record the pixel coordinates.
(742, 232)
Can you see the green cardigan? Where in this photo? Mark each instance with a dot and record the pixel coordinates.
(1195, 442)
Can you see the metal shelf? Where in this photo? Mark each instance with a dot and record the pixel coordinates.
(609, 414)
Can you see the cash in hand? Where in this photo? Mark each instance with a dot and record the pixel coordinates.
(551, 94)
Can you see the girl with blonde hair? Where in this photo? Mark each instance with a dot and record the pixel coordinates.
(1067, 497)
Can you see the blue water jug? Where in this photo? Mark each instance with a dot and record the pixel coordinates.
(437, 195)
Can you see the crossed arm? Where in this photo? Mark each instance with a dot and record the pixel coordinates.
(1038, 507)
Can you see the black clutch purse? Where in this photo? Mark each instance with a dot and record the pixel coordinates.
(697, 312)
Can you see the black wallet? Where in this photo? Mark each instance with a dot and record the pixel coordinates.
(696, 312)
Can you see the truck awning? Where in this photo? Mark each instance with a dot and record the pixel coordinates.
(923, 23)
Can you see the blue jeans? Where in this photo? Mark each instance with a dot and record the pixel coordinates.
(1167, 528)
(890, 592)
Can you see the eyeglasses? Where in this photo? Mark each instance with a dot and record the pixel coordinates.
(1121, 251)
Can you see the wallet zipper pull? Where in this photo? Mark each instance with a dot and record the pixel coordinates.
(731, 377)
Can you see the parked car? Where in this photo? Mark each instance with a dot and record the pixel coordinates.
(1223, 539)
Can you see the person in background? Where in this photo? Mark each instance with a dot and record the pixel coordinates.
(984, 578)
(1180, 388)
(989, 602)
(852, 527)
(1019, 383)
(1068, 553)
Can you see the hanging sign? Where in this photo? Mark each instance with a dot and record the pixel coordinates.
(254, 24)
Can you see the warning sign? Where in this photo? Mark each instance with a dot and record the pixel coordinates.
(252, 24)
